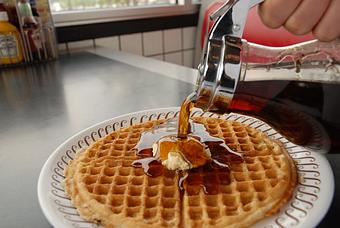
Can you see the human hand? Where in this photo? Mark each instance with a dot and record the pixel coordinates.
(322, 17)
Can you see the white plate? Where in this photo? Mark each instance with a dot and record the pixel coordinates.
(309, 204)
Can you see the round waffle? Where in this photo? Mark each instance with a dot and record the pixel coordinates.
(107, 190)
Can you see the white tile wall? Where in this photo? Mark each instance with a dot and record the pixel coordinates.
(132, 43)
(108, 42)
(174, 58)
(80, 45)
(153, 43)
(188, 58)
(172, 40)
(189, 37)
(172, 45)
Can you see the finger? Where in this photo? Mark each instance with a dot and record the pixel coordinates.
(274, 13)
(329, 27)
(306, 16)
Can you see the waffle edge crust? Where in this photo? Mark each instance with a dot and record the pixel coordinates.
(107, 190)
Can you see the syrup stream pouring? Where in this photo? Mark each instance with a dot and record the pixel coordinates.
(228, 59)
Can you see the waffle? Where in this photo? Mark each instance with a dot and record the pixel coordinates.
(107, 190)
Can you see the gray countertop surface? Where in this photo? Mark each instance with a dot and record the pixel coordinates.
(43, 105)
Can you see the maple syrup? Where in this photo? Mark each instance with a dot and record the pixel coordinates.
(184, 115)
(204, 173)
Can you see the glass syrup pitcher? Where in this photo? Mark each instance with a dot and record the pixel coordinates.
(228, 59)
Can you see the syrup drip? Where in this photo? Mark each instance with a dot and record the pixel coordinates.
(184, 115)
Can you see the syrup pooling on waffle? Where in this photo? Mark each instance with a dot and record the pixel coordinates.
(204, 171)
(208, 156)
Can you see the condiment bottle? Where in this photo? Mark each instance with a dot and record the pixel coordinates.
(2, 6)
(28, 19)
(10, 41)
(31, 29)
(10, 8)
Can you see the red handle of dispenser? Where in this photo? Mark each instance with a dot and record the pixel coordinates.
(255, 31)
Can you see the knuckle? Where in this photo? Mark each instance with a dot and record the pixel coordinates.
(296, 27)
(269, 19)
(325, 35)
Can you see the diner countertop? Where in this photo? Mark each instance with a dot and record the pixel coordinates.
(43, 105)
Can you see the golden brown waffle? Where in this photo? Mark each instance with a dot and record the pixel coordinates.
(106, 189)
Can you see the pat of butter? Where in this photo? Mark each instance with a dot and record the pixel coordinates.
(175, 161)
(181, 154)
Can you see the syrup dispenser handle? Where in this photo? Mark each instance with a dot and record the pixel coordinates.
(220, 66)
(311, 61)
